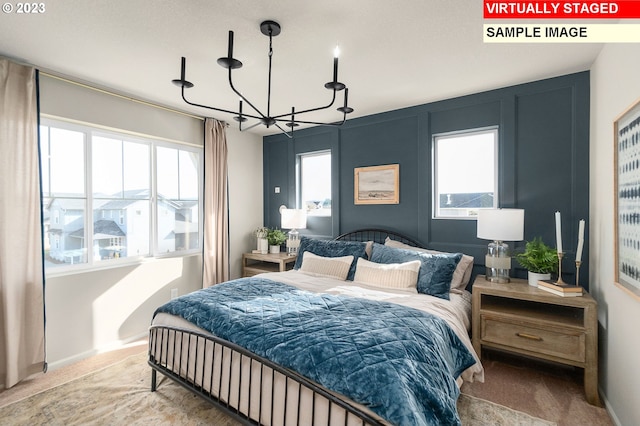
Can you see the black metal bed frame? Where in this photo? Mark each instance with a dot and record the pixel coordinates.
(377, 236)
(214, 384)
(189, 358)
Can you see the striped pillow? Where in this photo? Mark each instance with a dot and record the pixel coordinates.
(335, 267)
(401, 276)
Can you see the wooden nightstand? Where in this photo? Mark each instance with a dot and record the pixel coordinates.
(520, 318)
(256, 263)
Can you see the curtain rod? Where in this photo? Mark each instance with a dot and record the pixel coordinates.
(66, 80)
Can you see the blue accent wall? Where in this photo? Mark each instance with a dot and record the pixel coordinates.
(543, 166)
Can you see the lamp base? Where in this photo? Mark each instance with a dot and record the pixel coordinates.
(497, 279)
(293, 242)
(498, 262)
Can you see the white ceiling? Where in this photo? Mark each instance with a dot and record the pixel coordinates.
(393, 54)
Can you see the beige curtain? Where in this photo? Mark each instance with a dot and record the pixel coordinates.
(21, 269)
(216, 208)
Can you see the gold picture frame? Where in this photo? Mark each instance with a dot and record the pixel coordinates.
(377, 184)
(626, 150)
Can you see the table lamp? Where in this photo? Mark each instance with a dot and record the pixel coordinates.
(293, 219)
(500, 225)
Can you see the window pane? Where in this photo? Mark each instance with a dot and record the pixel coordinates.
(66, 162)
(178, 205)
(107, 167)
(64, 231)
(137, 173)
(120, 168)
(465, 173)
(120, 228)
(167, 172)
(315, 183)
(188, 175)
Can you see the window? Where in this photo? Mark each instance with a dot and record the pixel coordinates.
(465, 173)
(314, 182)
(108, 197)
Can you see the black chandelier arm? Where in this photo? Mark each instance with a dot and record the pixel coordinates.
(283, 130)
(262, 116)
(317, 123)
(333, 100)
(214, 108)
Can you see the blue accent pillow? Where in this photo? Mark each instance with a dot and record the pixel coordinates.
(332, 248)
(436, 270)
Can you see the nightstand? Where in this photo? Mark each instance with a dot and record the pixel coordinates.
(256, 263)
(522, 319)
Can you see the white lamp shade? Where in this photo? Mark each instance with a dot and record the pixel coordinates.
(501, 224)
(293, 219)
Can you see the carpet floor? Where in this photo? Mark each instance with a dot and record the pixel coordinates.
(543, 389)
(120, 394)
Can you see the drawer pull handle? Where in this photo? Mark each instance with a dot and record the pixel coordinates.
(529, 336)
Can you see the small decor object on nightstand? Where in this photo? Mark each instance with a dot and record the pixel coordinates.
(539, 259)
(579, 249)
(564, 290)
(261, 238)
(559, 247)
(276, 238)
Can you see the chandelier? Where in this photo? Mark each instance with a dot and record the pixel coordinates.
(289, 119)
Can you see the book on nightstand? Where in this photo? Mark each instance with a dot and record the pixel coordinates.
(564, 290)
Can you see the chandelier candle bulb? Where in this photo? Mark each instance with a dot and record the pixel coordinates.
(230, 51)
(558, 234)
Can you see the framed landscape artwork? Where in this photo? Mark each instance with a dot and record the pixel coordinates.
(627, 200)
(377, 184)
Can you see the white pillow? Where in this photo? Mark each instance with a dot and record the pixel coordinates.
(462, 274)
(390, 275)
(335, 267)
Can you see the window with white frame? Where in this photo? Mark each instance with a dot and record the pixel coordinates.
(111, 197)
(465, 173)
(314, 182)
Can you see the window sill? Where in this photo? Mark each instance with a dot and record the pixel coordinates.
(122, 263)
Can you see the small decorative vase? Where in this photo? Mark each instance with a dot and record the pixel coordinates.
(534, 277)
(274, 249)
(263, 245)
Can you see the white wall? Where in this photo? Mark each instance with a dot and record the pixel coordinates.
(245, 194)
(614, 87)
(99, 310)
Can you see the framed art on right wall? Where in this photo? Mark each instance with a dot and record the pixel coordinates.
(627, 200)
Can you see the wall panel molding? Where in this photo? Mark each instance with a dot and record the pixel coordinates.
(543, 163)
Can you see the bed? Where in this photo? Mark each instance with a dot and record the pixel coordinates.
(351, 336)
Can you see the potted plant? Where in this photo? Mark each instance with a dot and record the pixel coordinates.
(539, 259)
(261, 237)
(276, 238)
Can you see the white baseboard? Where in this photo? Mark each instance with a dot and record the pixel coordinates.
(118, 344)
(609, 408)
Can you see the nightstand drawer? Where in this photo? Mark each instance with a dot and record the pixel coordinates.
(561, 344)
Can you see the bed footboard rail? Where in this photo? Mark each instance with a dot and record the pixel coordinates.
(252, 389)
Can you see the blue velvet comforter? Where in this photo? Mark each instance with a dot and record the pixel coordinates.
(399, 362)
